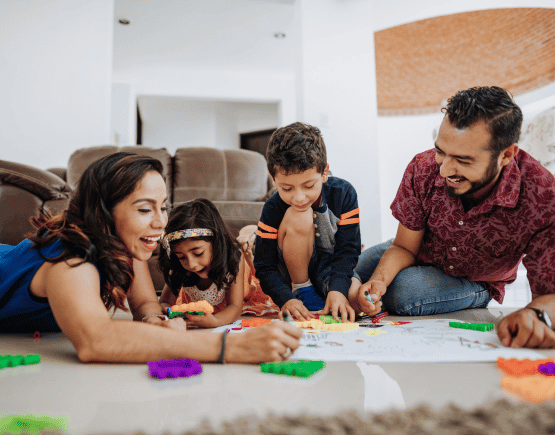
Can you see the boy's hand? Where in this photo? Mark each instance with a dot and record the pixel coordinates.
(297, 310)
(337, 303)
(376, 289)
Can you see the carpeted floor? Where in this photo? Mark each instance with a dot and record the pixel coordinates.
(498, 418)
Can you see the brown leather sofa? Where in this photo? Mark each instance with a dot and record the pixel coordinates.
(237, 181)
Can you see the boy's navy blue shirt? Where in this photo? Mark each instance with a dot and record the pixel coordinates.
(337, 239)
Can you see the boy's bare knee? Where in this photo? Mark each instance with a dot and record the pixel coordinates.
(299, 223)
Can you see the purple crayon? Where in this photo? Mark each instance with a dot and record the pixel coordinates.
(174, 368)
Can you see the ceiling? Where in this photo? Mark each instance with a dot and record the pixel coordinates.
(418, 65)
(236, 35)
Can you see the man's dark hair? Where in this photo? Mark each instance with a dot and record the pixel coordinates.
(492, 105)
(296, 148)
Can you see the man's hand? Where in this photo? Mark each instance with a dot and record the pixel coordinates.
(297, 310)
(523, 329)
(337, 303)
(376, 289)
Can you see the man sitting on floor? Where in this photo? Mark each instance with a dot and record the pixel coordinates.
(469, 211)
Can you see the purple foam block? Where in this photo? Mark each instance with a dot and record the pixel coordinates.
(174, 368)
(547, 369)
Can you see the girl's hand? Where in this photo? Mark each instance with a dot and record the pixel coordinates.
(272, 342)
(204, 321)
(177, 323)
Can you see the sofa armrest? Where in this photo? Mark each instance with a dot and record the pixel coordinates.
(59, 172)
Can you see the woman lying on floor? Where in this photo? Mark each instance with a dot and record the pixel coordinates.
(92, 257)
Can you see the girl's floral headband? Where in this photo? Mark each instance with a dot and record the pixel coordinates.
(183, 234)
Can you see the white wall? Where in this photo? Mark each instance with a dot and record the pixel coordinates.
(55, 78)
(336, 91)
(177, 122)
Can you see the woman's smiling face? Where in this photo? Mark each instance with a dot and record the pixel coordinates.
(142, 216)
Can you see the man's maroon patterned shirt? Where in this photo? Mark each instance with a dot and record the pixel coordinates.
(487, 243)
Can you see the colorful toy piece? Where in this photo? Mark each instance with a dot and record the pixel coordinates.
(199, 307)
(31, 424)
(521, 367)
(535, 388)
(254, 322)
(328, 319)
(474, 326)
(547, 369)
(174, 368)
(18, 360)
(301, 369)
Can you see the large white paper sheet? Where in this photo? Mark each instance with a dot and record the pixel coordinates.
(418, 341)
(427, 340)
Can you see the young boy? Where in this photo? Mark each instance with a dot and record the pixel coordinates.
(308, 237)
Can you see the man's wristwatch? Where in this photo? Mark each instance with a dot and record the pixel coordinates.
(543, 316)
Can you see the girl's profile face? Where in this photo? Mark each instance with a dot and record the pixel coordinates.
(195, 256)
(141, 217)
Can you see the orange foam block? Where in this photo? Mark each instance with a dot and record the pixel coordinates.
(535, 388)
(204, 306)
(521, 367)
(254, 322)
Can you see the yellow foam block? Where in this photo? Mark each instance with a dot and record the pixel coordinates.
(342, 327)
(318, 324)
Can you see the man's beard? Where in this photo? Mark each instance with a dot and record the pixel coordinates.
(491, 173)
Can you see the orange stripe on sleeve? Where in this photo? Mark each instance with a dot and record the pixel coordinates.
(348, 221)
(267, 227)
(266, 235)
(349, 214)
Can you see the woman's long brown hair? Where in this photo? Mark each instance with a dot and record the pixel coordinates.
(87, 228)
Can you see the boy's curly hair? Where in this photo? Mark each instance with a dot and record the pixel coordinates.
(295, 148)
(226, 251)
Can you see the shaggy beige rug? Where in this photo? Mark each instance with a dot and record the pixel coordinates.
(498, 418)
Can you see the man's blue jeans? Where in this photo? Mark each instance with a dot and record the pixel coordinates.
(422, 290)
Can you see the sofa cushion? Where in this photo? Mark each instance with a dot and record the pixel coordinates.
(219, 175)
(82, 159)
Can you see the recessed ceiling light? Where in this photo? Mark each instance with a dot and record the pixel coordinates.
(123, 21)
(279, 35)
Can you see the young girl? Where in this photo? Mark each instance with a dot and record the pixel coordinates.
(200, 260)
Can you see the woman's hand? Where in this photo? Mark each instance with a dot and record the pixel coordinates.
(272, 342)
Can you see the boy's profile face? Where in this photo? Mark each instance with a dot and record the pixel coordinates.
(301, 190)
